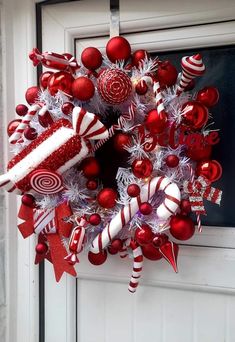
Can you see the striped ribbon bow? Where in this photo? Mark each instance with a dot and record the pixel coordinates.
(198, 189)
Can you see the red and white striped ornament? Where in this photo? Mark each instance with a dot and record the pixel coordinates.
(137, 265)
(158, 97)
(46, 182)
(76, 241)
(45, 221)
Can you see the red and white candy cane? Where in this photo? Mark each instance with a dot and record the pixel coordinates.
(164, 211)
(76, 241)
(137, 265)
(158, 97)
(191, 67)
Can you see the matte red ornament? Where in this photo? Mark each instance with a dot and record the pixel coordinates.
(91, 184)
(133, 190)
(114, 86)
(41, 248)
(21, 109)
(115, 246)
(156, 122)
(91, 58)
(12, 126)
(167, 74)
(118, 48)
(169, 252)
(210, 169)
(43, 80)
(120, 141)
(90, 167)
(199, 153)
(94, 219)
(185, 206)
(28, 200)
(67, 108)
(112, 250)
(45, 120)
(141, 87)
(30, 133)
(172, 160)
(208, 96)
(195, 115)
(97, 259)
(181, 227)
(159, 239)
(138, 57)
(145, 208)
(31, 95)
(62, 81)
(142, 168)
(143, 235)
(107, 198)
(83, 88)
(150, 252)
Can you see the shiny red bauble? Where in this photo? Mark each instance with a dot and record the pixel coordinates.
(60, 81)
(83, 88)
(141, 87)
(21, 109)
(114, 86)
(45, 120)
(115, 246)
(28, 200)
(145, 208)
(41, 248)
(67, 108)
(181, 227)
(167, 74)
(118, 48)
(91, 58)
(107, 197)
(120, 141)
(30, 133)
(199, 153)
(12, 126)
(43, 80)
(142, 168)
(150, 252)
(138, 57)
(133, 190)
(94, 219)
(210, 169)
(159, 239)
(172, 160)
(209, 96)
(97, 259)
(91, 184)
(31, 95)
(185, 206)
(195, 115)
(143, 235)
(156, 122)
(90, 167)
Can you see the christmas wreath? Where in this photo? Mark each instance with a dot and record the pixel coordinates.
(112, 156)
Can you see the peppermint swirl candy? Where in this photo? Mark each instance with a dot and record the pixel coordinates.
(46, 182)
(193, 65)
(114, 86)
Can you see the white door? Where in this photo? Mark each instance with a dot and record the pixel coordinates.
(198, 304)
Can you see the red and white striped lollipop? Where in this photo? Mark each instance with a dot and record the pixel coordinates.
(192, 66)
(46, 182)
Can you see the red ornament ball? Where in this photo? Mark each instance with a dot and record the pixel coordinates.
(12, 126)
(28, 200)
(91, 58)
(94, 219)
(91, 184)
(156, 122)
(210, 169)
(143, 235)
(114, 86)
(150, 252)
(41, 248)
(185, 206)
(107, 198)
(43, 80)
(83, 88)
(97, 259)
(181, 227)
(115, 246)
(67, 108)
(45, 120)
(208, 96)
(195, 114)
(21, 109)
(120, 141)
(142, 168)
(118, 48)
(199, 153)
(145, 208)
(62, 81)
(30, 133)
(167, 74)
(141, 87)
(138, 57)
(31, 95)
(172, 160)
(159, 239)
(133, 190)
(90, 167)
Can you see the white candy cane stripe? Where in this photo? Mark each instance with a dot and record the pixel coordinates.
(164, 211)
(46, 182)
(24, 124)
(158, 96)
(137, 266)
